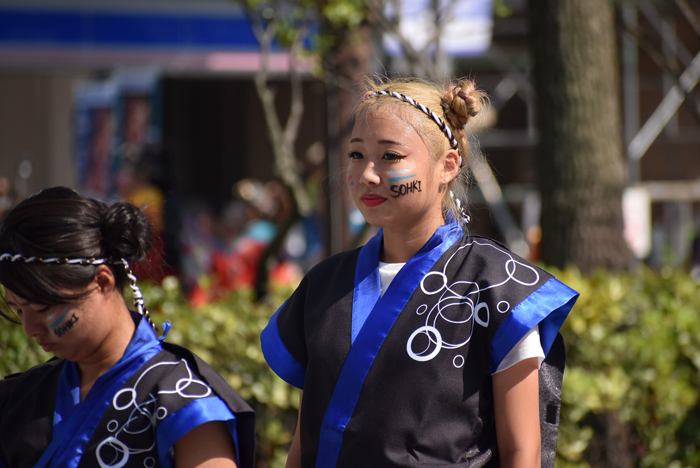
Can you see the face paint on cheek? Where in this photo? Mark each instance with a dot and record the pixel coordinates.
(395, 173)
(66, 326)
(405, 189)
(55, 319)
(351, 184)
(400, 177)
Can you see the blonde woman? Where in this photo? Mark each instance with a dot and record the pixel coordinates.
(421, 348)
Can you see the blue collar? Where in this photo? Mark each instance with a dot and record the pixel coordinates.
(367, 282)
(380, 316)
(75, 421)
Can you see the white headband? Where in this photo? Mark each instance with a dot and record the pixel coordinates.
(138, 296)
(443, 126)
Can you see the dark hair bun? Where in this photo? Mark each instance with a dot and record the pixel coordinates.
(126, 232)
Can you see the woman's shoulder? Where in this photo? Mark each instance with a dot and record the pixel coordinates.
(334, 263)
(485, 241)
(36, 373)
(195, 367)
(487, 261)
(201, 382)
(40, 377)
(493, 249)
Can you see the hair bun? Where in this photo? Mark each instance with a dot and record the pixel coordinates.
(462, 102)
(126, 231)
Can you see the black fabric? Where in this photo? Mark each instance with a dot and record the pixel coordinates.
(409, 413)
(245, 416)
(316, 329)
(26, 413)
(551, 377)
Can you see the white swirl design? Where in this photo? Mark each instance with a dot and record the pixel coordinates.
(143, 417)
(449, 311)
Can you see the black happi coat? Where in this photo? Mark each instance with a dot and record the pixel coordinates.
(125, 432)
(414, 387)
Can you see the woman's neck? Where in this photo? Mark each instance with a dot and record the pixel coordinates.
(401, 244)
(109, 351)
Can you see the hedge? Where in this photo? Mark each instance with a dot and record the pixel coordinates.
(631, 387)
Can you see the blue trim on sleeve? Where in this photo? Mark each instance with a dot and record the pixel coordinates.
(182, 421)
(547, 307)
(278, 357)
(233, 430)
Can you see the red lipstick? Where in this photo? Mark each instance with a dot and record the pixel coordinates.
(372, 200)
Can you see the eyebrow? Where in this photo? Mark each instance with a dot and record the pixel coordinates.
(383, 142)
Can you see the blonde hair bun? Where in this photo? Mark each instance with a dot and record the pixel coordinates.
(462, 102)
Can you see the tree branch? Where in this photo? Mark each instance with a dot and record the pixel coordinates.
(297, 107)
(283, 140)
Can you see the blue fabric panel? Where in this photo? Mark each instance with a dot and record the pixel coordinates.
(181, 422)
(371, 337)
(367, 283)
(78, 421)
(137, 29)
(548, 307)
(278, 357)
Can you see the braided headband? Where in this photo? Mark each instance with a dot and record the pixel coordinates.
(445, 129)
(443, 126)
(138, 296)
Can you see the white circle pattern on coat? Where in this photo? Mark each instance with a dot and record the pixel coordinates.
(449, 311)
(143, 416)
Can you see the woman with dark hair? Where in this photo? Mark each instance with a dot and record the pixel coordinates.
(115, 395)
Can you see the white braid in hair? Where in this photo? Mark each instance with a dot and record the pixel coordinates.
(462, 211)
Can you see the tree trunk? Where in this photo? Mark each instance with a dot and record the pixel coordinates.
(611, 446)
(580, 164)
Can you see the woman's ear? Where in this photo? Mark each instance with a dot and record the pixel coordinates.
(104, 279)
(450, 167)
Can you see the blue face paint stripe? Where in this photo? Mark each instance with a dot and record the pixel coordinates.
(60, 319)
(396, 179)
(376, 328)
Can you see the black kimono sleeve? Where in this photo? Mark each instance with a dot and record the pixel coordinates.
(299, 325)
(26, 413)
